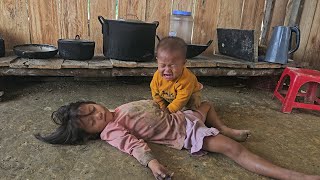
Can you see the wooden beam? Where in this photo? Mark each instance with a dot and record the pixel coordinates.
(235, 72)
(142, 72)
(305, 24)
(201, 72)
(74, 64)
(266, 21)
(6, 71)
(294, 7)
(5, 61)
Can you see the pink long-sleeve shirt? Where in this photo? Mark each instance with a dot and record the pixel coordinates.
(138, 122)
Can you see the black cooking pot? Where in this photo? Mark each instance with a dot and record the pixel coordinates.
(128, 40)
(76, 49)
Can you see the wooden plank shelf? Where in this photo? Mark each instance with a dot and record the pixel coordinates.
(99, 66)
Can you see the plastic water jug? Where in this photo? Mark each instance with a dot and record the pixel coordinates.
(181, 23)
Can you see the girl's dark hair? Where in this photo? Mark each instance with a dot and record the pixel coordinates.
(172, 44)
(68, 132)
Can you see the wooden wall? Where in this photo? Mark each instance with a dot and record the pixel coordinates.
(309, 50)
(39, 21)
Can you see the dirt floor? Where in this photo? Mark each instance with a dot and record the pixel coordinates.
(289, 140)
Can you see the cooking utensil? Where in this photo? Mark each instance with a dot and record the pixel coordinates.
(76, 49)
(128, 40)
(196, 49)
(280, 44)
(35, 51)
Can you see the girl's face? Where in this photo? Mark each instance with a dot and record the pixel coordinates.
(170, 65)
(94, 118)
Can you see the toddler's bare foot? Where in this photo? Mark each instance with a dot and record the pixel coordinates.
(235, 134)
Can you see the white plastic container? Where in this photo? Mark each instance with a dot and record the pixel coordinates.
(181, 23)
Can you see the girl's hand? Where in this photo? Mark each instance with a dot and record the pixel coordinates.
(159, 171)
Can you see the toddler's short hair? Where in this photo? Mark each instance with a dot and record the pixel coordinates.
(172, 44)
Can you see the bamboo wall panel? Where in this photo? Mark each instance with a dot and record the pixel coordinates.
(73, 17)
(230, 14)
(266, 20)
(183, 5)
(44, 25)
(205, 23)
(312, 52)
(14, 27)
(152, 14)
(132, 9)
(294, 8)
(305, 27)
(106, 9)
(278, 16)
(252, 15)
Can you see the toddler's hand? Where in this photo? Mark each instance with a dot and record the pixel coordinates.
(165, 109)
(159, 171)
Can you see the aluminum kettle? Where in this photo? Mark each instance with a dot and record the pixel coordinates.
(280, 44)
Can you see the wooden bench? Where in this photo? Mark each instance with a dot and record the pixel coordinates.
(99, 66)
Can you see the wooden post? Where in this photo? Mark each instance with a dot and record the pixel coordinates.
(266, 20)
(294, 9)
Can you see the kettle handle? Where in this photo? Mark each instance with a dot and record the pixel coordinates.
(297, 31)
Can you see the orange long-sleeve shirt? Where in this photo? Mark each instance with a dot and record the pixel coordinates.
(174, 94)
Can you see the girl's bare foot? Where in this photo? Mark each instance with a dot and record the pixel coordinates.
(298, 176)
(235, 134)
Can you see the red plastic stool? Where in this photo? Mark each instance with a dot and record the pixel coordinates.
(298, 77)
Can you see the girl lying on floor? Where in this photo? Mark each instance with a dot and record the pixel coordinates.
(131, 125)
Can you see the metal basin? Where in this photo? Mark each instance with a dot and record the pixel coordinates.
(35, 51)
(194, 50)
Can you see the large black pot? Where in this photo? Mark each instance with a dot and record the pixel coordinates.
(128, 40)
(76, 49)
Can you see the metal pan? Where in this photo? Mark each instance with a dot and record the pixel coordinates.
(196, 49)
(35, 51)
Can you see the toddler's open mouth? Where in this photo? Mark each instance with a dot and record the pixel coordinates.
(167, 76)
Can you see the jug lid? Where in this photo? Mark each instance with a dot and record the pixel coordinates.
(131, 20)
(183, 13)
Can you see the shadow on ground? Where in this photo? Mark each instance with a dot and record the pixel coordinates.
(289, 140)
